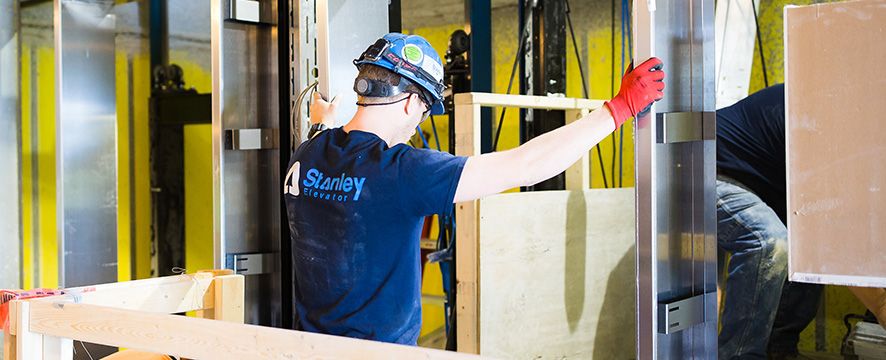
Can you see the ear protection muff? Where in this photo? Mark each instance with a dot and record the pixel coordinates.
(374, 88)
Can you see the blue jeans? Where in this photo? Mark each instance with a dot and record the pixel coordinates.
(757, 239)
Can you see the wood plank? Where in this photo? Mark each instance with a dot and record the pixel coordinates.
(526, 101)
(229, 294)
(467, 132)
(578, 176)
(170, 294)
(9, 346)
(835, 148)
(207, 339)
(558, 275)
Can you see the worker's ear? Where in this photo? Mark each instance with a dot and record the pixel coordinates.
(414, 104)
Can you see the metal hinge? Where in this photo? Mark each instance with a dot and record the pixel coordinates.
(677, 127)
(679, 315)
(251, 264)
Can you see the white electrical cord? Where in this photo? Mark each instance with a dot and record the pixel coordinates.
(295, 114)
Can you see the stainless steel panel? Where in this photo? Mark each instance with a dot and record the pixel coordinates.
(10, 174)
(345, 28)
(86, 141)
(676, 239)
(304, 64)
(246, 184)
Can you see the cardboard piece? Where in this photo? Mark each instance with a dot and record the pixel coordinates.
(836, 151)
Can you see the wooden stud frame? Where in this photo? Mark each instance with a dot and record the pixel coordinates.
(467, 143)
(136, 315)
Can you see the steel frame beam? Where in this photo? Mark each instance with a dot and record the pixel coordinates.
(546, 74)
(676, 196)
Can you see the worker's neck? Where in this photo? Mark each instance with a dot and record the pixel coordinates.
(383, 121)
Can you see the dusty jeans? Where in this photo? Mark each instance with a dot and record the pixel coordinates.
(756, 238)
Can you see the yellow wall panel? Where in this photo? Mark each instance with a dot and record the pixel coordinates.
(124, 216)
(45, 149)
(141, 92)
(198, 197)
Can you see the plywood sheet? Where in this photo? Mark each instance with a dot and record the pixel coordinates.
(836, 101)
(557, 275)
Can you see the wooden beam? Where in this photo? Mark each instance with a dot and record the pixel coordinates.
(170, 294)
(207, 339)
(9, 345)
(578, 176)
(526, 101)
(225, 300)
(467, 143)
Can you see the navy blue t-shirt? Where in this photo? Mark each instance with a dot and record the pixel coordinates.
(751, 145)
(356, 209)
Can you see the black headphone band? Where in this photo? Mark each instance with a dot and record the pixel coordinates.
(375, 88)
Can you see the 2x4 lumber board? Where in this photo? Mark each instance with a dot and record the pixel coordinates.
(227, 300)
(208, 339)
(10, 341)
(9, 346)
(169, 294)
(526, 101)
(835, 168)
(467, 274)
(578, 176)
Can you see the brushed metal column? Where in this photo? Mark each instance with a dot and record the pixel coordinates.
(676, 194)
(86, 150)
(10, 174)
(247, 182)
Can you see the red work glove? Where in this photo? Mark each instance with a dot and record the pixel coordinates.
(640, 87)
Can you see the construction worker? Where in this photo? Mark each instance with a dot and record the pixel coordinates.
(356, 196)
(751, 217)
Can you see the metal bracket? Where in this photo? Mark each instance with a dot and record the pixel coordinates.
(678, 315)
(677, 127)
(251, 139)
(248, 11)
(251, 264)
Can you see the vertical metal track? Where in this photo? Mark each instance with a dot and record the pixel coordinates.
(479, 18)
(246, 183)
(285, 64)
(676, 215)
(86, 113)
(10, 145)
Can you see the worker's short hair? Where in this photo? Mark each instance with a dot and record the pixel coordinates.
(378, 73)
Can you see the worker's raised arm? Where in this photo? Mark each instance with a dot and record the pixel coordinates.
(552, 153)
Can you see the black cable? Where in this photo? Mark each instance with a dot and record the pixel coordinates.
(760, 45)
(612, 90)
(584, 83)
(501, 119)
(436, 137)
